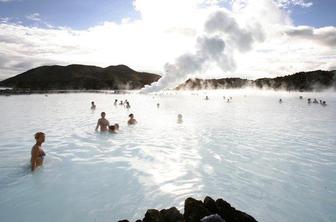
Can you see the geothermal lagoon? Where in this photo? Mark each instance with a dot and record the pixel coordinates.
(276, 162)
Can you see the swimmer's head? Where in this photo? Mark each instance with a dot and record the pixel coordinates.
(116, 126)
(131, 115)
(92, 103)
(112, 128)
(39, 136)
(179, 116)
(103, 114)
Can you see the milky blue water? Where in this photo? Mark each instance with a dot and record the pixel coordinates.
(274, 161)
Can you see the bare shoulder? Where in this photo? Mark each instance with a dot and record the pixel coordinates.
(35, 149)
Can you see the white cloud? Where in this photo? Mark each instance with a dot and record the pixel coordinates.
(34, 17)
(287, 3)
(169, 29)
(325, 36)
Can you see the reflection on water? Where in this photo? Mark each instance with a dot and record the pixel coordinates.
(274, 161)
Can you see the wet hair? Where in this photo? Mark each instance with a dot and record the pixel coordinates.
(112, 128)
(103, 113)
(92, 102)
(38, 135)
(131, 115)
(116, 126)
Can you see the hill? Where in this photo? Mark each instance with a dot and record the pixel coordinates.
(80, 77)
(303, 81)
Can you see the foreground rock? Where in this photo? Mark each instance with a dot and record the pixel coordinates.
(197, 211)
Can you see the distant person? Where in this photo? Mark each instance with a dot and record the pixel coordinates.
(131, 121)
(112, 129)
(206, 98)
(115, 102)
(228, 100)
(158, 105)
(128, 106)
(116, 126)
(179, 118)
(280, 100)
(103, 123)
(301, 97)
(121, 103)
(324, 103)
(315, 101)
(93, 105)
(37, 153)
(309, 100)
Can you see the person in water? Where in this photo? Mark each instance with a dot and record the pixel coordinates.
(131, 121)
(37, 153)
(116, 126)
(280, 100)
(112, 129)
(93, 106)
(128, 106)
(103, 123)
(115, 102)
(179, 118)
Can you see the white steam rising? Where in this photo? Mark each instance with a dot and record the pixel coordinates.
(221, 38)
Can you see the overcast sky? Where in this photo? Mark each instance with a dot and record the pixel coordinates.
(263, 38)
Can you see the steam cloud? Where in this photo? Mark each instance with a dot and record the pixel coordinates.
(210, 48)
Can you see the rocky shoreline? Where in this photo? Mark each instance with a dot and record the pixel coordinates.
(208, 210)
(10, 92)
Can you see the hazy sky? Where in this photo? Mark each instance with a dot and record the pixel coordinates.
(268, 38)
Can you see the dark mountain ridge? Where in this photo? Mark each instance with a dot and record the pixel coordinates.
(80, 77)
(303, 81)
(121, 77)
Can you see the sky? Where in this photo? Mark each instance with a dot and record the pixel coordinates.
(178, 39)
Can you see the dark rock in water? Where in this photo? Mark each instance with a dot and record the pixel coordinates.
(172, 215)
(153, 215)
(230, 214)
(194, 210)
(212, 218)
(210, 204)
(197, 211)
